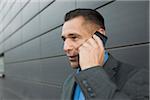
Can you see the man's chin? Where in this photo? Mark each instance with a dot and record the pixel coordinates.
(74, 65)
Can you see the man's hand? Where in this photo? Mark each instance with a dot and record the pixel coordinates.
(91, 53)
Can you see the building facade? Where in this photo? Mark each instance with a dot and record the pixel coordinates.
(34, 63)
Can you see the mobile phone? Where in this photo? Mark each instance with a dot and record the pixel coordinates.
(102, 37)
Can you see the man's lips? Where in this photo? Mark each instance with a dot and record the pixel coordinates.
(73, 58)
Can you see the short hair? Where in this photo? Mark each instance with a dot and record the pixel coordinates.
(87, 14)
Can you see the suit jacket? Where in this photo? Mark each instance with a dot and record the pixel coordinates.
(114, 81)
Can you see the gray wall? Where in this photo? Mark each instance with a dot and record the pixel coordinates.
(35, 64)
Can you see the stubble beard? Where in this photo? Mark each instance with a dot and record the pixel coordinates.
(75, 64)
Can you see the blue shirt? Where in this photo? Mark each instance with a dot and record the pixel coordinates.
(78, 94)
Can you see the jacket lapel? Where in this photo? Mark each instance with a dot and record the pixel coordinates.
(69, 89)
(111, 66)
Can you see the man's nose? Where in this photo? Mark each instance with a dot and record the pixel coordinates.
(67, 45)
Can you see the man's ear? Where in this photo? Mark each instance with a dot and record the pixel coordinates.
(101, 30)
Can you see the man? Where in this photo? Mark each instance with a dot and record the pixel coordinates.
(99, 76)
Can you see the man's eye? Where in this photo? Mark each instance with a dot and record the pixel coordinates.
(74, 37)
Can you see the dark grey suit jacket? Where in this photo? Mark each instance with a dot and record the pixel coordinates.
(114, 81)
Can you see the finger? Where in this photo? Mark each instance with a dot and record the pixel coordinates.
(92, 42)
(86, 45)
(81, 44)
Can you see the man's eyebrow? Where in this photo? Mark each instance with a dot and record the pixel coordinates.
(73, 34)
(69, 35)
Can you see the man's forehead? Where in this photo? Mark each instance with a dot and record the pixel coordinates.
(69, 32)
(71, 27)
(75, 26)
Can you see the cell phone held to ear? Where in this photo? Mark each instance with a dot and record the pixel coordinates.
(102, 37)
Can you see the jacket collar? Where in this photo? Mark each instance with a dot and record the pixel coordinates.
(111, 66)
(69, 88)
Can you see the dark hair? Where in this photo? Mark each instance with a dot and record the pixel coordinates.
(87, 14)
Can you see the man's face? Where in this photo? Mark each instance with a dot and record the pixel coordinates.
(74, 33)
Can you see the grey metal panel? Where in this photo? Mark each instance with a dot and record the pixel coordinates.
(16, 38)
(11, 69)
(7, 31)
(33, 90)
(14, 54)
(14, 86)
(1, 48)
(9, 95)
(54, 14)
(1, 38)
(8, 5)
(5, 22)
(23, 2)
(1, 25)
(31, 29)
(51, 43)
(44, 3)
(1, 16)
(55, 70)
(30, 10)
(16, 23)
(13, 11)
(2, 13)
(91, 3)
(1, 89)
(124, 24)
(33, 69)
(135, 55)
(42, 92)
(30, 70)
(8, 15)
(7, 44)
(16, 7)
(2, 2)
(31, 49)
(6, 9)
(52, 72)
